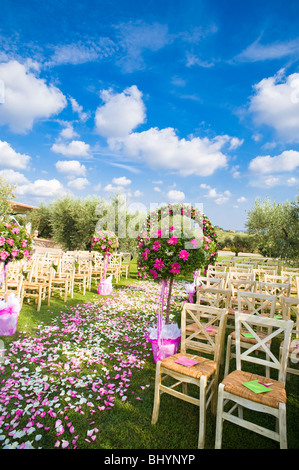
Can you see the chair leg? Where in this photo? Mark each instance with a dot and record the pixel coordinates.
(157, 394)
(219, 420)
(202, 412)
(228, 350)
(282, 426)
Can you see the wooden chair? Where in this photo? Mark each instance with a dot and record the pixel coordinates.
(219, 275)
(292, 274)
(114, 266)
(250, 303)
(97, 267)
(236, 285)
(233, 393)
(290, 311)
(83, 273)
(214, 297)
(204, 374)
(126, 264)
(37, 290)
(62, 279)
(279, 289)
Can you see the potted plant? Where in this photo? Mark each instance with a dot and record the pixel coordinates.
(15, 244)
(176, 240)
(105, 242)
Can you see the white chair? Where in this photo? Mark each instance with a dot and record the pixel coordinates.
(208, 340)
(290, 311)
(233, 393)
(254, 304)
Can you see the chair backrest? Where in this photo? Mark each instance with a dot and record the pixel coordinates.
(256, 303)
(208, 336)
(216, 268)
(241, 275)
(205, 281)
(276, 279)
(249, 323)
(235, 285)
(274, 288)
(290, 311)
(214, 297)
(219, 275)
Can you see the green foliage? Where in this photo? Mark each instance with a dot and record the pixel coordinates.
(275, 228)
(6, 195)
(239, 243)
(41, 220)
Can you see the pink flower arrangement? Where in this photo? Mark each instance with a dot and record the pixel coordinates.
(105, 242)
(15, 243)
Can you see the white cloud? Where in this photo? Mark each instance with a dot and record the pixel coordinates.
(26, 97)
(286, 161)
(157, 189)
(138, 193)
(41, 188)
(121, 181)
(276, 104)
(76, 148)
(175, 196)
(13, 177)
(109, 188)
(242, 199)
(164, 149)
(78, 184)
(260, 52)
(220, 198)
(9, 158)
(121, 112)
(292, 181)
(271, 181)
(71, 168)
(80, 52)
(68, 132)
(77, 108)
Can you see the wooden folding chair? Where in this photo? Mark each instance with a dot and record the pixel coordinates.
(233, 391)
(208, 340)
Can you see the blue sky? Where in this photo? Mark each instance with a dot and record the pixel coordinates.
(167, 101)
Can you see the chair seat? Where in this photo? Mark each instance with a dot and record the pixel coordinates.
(233, 384)
(205, 366)
(245, 339)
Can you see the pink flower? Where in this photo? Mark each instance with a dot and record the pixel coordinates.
(158, 233)
(110, 242)
(156, 246)
(154, 273)
(144, 254)
(2, 241)
(206, 247)
(10, 241)
(26, 252)
(103, 247)
(175, 268)
(15, 230)
(24, 243)
(172, 241)
(14, 253)
(4, 255)
(184, 255)
(171, 229)
(159, 264)
(194, 242)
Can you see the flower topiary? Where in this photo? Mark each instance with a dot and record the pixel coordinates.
(104, 242)
(168, 246)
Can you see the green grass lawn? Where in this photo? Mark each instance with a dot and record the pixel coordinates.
(82, 375)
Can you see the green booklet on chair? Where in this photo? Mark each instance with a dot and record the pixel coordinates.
(257, 387)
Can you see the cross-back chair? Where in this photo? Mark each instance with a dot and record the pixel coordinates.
(290, 311)
(254, 304)
(207, 340)
(233, 391)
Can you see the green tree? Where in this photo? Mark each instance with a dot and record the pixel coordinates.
(275, 228)
(6, 195)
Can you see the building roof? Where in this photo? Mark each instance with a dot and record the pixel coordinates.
(20, 208)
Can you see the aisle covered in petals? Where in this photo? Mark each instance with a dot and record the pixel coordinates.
(56, 384)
